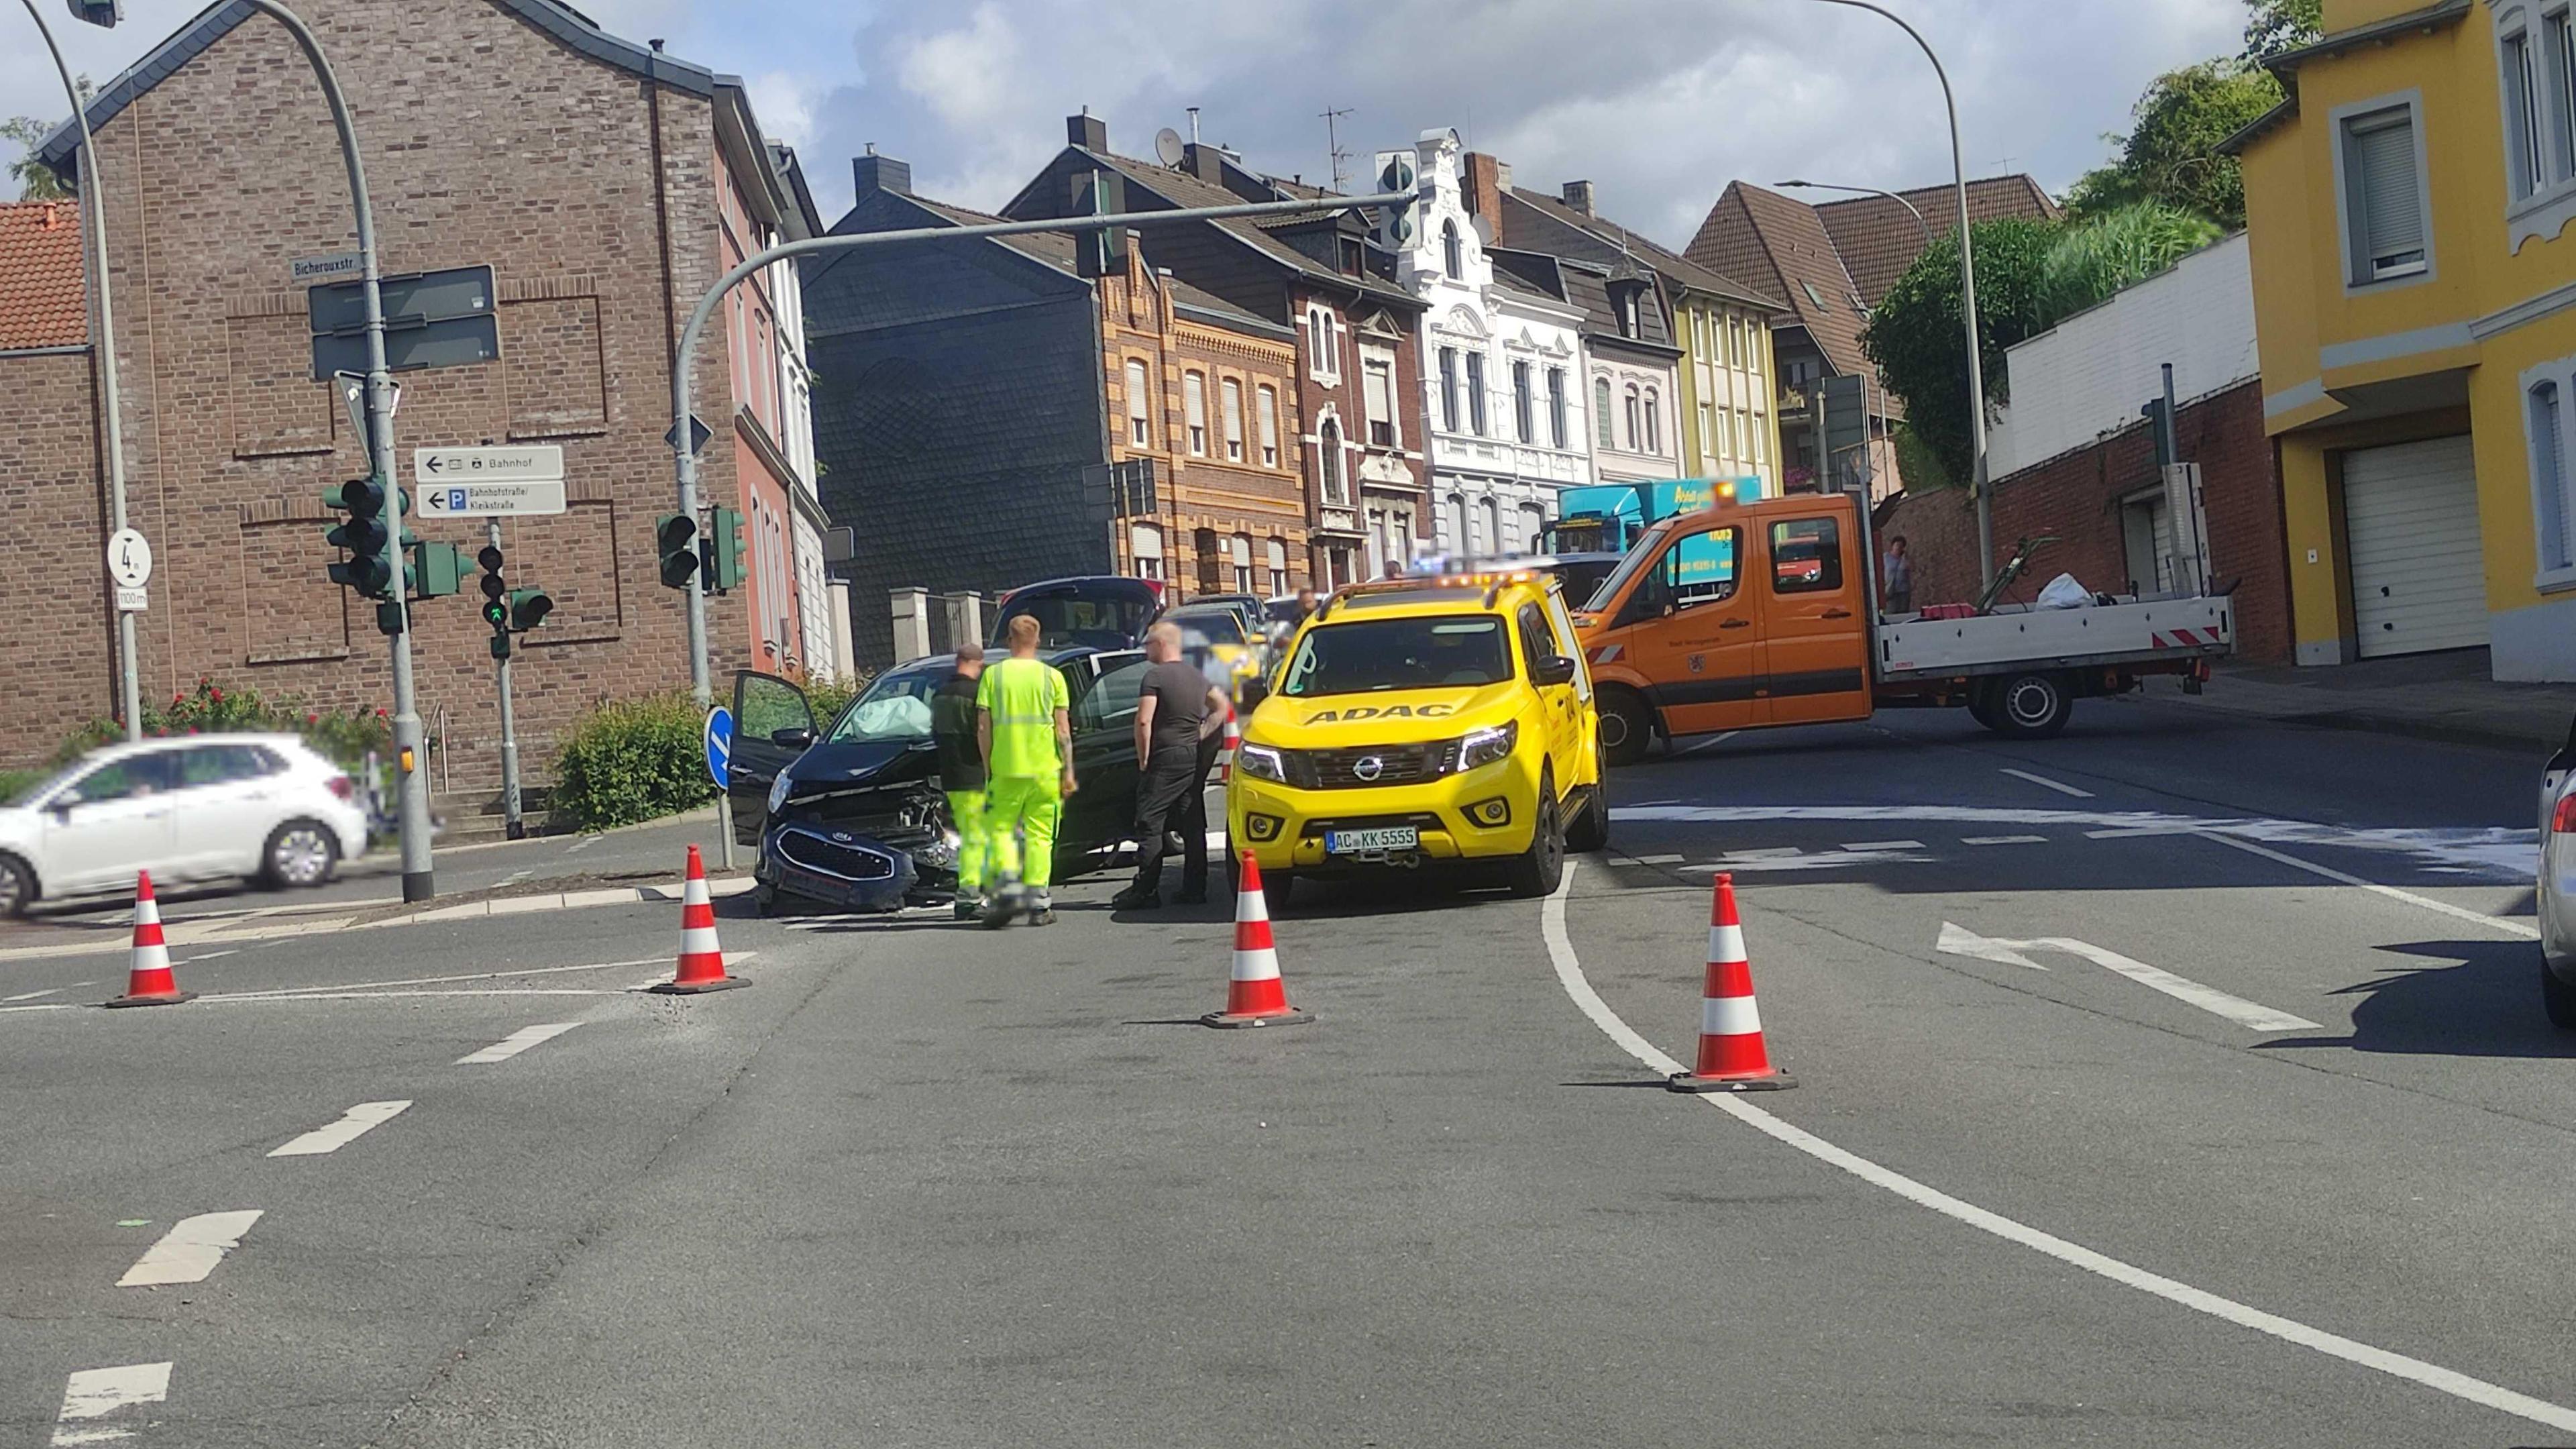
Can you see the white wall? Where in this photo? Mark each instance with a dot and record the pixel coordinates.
(2090, 374)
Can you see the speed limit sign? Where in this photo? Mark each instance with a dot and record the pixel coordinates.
(129, 559)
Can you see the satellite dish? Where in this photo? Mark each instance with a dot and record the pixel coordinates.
(1484, 230)
(1167, 144)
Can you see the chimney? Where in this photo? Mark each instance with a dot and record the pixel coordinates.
(1087, 131)
(1482, 179)
(1578, 197)
(1207, 163)
(873, 173)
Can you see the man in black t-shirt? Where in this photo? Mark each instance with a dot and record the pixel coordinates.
(1178, 714)
(961, 774)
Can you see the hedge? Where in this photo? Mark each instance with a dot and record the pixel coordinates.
(633, 760)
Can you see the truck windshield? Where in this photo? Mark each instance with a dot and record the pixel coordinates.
(1425, 652)
(1639, 554)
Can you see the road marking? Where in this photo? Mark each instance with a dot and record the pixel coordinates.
(2515, 928)
(1710, 742)
(1959, 941)
(39, 1006)
(517, 1042)
(2003, 840)
(2126, 832)
(353, 1124)
(344, 988)
(1775, 852)
(2059, 786)
(96, 1393)
(210, 955)
(31, 995)
(585, 843)
(1656, 859)
(1569, 972)
(1884, 844)
(190, 1250)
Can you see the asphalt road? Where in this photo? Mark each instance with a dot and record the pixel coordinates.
(2075, 1179)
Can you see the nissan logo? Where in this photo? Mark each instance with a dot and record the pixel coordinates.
(1368, 767)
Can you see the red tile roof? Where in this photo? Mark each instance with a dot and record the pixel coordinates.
(43, 295)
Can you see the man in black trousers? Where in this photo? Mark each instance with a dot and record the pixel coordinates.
(1178, 715)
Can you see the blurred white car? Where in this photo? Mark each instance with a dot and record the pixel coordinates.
(2557, 900)
(202, 807)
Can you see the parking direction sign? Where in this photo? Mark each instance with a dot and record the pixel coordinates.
(719, 739)
(492, 500)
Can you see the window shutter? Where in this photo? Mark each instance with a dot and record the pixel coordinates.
(2392, 217)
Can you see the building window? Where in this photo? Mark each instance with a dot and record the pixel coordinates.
(1239, 552)
(1328, 443)
(1655, 422)
(1476, 393)
(1744, 429)
(1278, 561)
(1458, 524)
(1524, 406)
(1601, 424)
(1556, 406)
(2383, 196)
(1707, 431)
(1450, 258)
(1494, 525)
(1230, 404)
(1533, 523)
(2561, 31)
(1194, 412)
(1337, 567)
(2552, 506)
(1634, 417)
(1145, 546)
(1449, 388)
(1377, 395)
(2521, 115)
(1140, 401)
(1265, 402)
(1323, 346)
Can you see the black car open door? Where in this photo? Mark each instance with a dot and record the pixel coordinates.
(773, 723)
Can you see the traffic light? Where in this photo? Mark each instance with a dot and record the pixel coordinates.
(362, 535)
(529, 607)
(495, 613)
(726, 569)
(676, 535)
(435, 570)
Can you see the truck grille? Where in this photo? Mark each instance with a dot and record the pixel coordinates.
(1364, 767)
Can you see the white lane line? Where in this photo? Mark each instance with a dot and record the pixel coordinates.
(585, 843)
(2512, 928)
(39, 1006)
(1774, 852)
(31, 995)
(2126, 832)
(2059, 786)
(1957, 940)
(96, 1393)
(2003, 840)
(517, 1042)
(1711, 742)
(349, 988)
(1569, 972)
(353, 1124)
(190, 1250)
(1885, 844)
(1662, 859)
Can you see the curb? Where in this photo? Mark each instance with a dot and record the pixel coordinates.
(568, 901)
(2364, 721)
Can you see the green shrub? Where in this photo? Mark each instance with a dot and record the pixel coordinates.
(633, 760)
(14, 783)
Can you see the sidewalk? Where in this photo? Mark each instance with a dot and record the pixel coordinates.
(2445, 696)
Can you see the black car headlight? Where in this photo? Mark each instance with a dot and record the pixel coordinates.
(1261, 762)
(1485, 746)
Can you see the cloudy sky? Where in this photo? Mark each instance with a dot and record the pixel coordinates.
(1659, 102)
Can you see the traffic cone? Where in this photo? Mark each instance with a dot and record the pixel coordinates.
(1731, 1055)
(149, 982)
(1253, 995)
(1233, 742)
(702, 965)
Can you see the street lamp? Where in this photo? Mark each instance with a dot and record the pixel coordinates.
(1910, 209)
(1967, 293)
(129, 681)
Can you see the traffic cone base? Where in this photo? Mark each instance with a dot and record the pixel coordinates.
(171, 999)
(1774, 1081)
(1230, 1020)
(697, 988)
(1253, 994)
(148, 981)
(702, 967)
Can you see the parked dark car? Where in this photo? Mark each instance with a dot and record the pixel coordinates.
(852, 818)
(1095, 611)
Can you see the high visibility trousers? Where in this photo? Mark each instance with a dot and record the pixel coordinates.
(1028, 805)
(974, 840)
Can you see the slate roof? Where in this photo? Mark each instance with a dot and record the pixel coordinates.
(1586, 287)
(1878, 240)
(43, 294)
(1534, 221)
(1185, 191)
(1057, 249)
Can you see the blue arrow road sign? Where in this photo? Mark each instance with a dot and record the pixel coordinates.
(720, 746)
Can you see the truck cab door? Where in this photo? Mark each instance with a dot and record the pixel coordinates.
(1816, 647)
(773, 723)
(1695, 635)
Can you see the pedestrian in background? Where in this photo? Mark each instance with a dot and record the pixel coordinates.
(1896, 579)
(1305, 603)
(1178, 714)
(1024, 727)
(961, 775)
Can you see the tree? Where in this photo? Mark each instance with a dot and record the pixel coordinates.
(2171, 154)
(1914, 334)
(36, 180)
(2273, 26)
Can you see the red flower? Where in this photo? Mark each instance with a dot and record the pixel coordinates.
(219, 696)
(313, 719)
(192, 729)
(380, 714)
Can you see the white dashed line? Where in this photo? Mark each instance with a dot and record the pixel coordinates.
(1778, 852)
(96, 1393)
(1662, 859)
(2129, 832)
(2003, 839)
(1885, 844)
(190, 1250)
(2059, 786)
(517, 1042)
(353, 1124)
(1569, 972)
(345, 989)
(2514, 928)
(234, 950)
(30, 995)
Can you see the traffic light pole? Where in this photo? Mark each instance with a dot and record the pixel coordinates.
(518, 829)
(413, 782)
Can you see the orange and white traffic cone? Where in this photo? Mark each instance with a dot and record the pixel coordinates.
(1253, 995)
(149, 982)
(1233, 742)
(702, 966)
(1731, 1055)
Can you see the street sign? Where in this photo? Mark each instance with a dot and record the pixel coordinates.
(129, 559)
(698, 436)
(427, 296)
(492, 500)
(411, 345)
(719, 738)
(305, 271)
(132, 601)
(535, 463)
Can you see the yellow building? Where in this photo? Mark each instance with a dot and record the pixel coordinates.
(2415, 303)
(1727, 387)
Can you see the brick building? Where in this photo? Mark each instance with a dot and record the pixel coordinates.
(604, 182)
(1358, 378)
(59, 652)
(973, 395)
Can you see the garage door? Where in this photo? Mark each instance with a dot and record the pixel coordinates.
(2418, 573)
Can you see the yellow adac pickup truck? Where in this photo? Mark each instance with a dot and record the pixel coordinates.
(1431, 722)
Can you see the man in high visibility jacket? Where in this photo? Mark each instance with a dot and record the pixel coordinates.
(1024, 723)
(953, 726)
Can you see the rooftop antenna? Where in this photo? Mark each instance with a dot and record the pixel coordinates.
(1333, 140)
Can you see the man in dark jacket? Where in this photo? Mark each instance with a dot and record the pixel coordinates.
(1178, 715)
(961, 775)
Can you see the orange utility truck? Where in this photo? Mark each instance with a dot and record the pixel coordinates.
(1744, 615)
